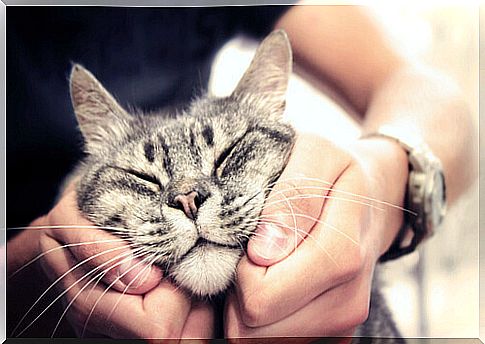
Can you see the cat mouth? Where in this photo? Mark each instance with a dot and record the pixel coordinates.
(203, 241)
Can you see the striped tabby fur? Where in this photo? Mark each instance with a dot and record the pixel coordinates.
(229, 150)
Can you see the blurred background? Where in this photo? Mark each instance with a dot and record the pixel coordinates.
(433, 292)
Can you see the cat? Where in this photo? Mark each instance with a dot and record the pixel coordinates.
(188, 189)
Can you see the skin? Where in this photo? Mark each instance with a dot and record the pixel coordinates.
(322, 287)
(150, 308)
(383, 88)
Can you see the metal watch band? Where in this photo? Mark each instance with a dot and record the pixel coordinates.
(425, 194)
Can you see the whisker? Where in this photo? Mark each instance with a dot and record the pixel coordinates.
(57, 281)
(263, 236)
(139, 253)
(60, 248)
(310, 236)
(342, 192)
(126, 255)
(143, 252)
(72, 227)
(152, 259)
(286, 180)
(316, 220)
(74, 284)
(287, 201)
(309, 196)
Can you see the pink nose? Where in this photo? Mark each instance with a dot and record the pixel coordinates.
(189, 203)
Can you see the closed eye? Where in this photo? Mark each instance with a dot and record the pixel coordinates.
(226, 153)
(223, 156)
(145, 177)
(141, 175)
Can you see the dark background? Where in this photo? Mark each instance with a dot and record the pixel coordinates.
(146, 57)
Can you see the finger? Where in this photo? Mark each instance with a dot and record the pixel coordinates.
(238, 333)
(97, 247)
(330, 256)
(296, 199)
(61, 268)
(168, 307)
(160, 313)
(200, 323)
(335, 313)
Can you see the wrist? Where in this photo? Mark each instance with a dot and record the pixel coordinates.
(388, 152)
(425, 191)
(386, 163)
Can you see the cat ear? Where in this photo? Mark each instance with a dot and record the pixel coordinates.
(100, 118)
(268, 74)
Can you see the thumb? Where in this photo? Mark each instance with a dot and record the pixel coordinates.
(292, 209)
(296, 200)
(124, 269)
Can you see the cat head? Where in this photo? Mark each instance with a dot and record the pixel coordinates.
(187, 191)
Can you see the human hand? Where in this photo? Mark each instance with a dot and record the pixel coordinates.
(107, 288)
(315, 280)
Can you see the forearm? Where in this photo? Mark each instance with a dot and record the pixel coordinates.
(423, 102)
(344, 46)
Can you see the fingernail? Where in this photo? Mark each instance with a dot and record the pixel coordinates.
(270, 242)
(132, 273)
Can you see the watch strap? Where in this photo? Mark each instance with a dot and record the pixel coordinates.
(398, 247)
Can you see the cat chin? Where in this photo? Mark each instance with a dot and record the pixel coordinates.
(207, 270)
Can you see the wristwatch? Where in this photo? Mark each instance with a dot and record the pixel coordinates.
(425, 202)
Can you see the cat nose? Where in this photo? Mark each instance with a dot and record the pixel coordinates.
(189, 203)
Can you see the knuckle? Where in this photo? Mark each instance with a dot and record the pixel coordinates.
(360, 314)
(296, 201)
(167, 329)
(359, 176)
(44, 242)
(232, 329)
(57, 213)
(255, 309)
(86, 251)
(302, 201)
(354, 263)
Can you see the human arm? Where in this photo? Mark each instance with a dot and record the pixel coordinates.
(143, 305)
(346, 47)
(343, 46)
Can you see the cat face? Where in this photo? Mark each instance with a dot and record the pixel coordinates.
(187, 191)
